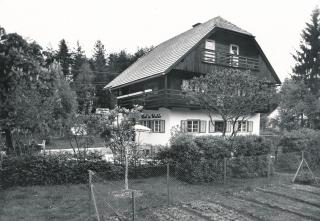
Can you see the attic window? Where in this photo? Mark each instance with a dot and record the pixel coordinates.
(210, 44)
(209, 51)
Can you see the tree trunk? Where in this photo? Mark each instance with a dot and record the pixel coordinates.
(9, 142)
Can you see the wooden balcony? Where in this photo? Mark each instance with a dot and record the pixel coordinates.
(231, 60)
(158, 98)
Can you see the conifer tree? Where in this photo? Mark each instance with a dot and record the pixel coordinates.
(63, 57)
(307, 58)
(78, 59)
(101, 72)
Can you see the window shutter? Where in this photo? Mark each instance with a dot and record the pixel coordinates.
(236, 127)
(162, 126)
(203, 125)
(184, 126)
(151, 125)
(229, 126)
(250, 126)
(211, 127)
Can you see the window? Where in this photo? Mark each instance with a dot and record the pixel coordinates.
(242, 126)
(217, 126)
(156, 126)
(234, 51)
(210, 44)
(245, 126)
(209, 53)
(193, 126)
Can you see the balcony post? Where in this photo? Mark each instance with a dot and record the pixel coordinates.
(165, 90)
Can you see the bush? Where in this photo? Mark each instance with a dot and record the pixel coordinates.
(295, 141)
(201, 159)
(62, 169)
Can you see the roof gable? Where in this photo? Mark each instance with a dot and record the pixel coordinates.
(165, 55)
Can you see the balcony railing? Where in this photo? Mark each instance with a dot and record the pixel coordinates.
(158, 98)
(231, 60)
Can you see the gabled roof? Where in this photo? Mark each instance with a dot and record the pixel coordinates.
(160, 60)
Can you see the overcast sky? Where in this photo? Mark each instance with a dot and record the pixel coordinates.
(129, 24)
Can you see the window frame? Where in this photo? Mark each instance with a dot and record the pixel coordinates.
(152, 125)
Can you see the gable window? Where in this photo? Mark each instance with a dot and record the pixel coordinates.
(234, 51)
(193, 126)
(209, 52)
(156, 126)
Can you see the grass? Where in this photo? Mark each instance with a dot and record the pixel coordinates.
(64, 143)
(71, 202)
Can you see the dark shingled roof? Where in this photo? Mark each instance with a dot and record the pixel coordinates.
(166, 54)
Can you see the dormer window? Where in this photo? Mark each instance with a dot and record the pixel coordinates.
(234, 58)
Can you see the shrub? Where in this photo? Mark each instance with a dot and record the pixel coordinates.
(62, 169)
(295, 141)
(201, 159)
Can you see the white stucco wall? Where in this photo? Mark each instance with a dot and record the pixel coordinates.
(173, 119)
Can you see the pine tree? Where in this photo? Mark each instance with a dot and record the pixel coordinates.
(63, 57)
(101, 72)
(78, 59)
(307, 67)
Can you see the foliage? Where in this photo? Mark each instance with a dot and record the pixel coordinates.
(298, 106)
(233, 94)
(307, 58)
(63, 56)
(119, 132)
(85, 127)
(201, 159)
(56, 169)
(29, 91)
(84, 89)
(306, 70)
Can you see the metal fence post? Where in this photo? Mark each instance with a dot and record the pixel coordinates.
(224, 170)
(168, 186)
(133, 206)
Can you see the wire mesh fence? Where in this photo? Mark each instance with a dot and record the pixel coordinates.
(155, 187)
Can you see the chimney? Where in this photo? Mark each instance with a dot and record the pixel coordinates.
(196, 24)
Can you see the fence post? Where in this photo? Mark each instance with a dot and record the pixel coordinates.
(224, 170)
(168, 178)
(269, 168)
(133, 206)
(90, 198)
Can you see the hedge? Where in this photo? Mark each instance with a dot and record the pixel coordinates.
(61, 169)
(201, 159)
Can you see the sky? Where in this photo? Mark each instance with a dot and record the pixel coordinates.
(130, 24)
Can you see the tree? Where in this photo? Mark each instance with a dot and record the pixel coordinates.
(233, 94)
(119, 134)
(101, 79)
(19, 64)
(29, 92)
(63, 56)
(78, 59)
(298, 106)
(118, 62)
(307, 67)
(85, 89)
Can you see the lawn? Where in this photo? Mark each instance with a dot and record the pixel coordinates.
(64, 143)
(71, 202)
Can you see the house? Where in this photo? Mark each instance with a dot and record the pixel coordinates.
(156, 80)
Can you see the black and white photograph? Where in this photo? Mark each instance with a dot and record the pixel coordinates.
(149, 110)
